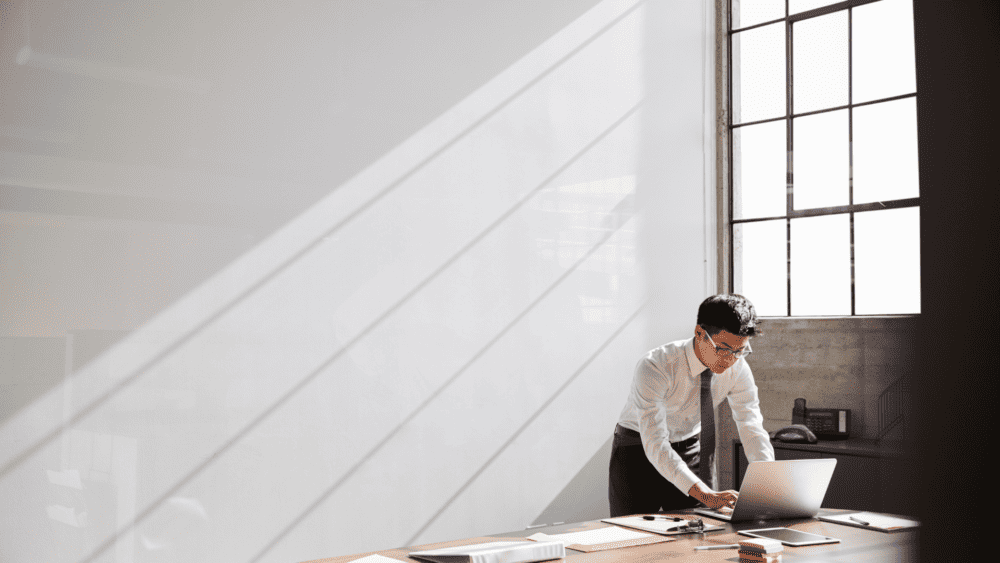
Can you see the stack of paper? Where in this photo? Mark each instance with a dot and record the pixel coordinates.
(600, 539)
(760, 550)
(495, 552)
(375, 558)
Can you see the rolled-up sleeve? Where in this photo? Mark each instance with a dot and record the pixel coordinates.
(745, 404)
(653, 390)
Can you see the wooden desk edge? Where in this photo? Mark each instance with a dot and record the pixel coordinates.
(876, 539)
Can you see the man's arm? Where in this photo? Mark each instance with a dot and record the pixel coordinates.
(653, 388)
(711, 498)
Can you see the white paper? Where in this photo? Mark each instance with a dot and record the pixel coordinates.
(376, 559)
(463, 549)
(521, 551)
(592, 537)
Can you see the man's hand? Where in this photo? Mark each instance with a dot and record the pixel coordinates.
(713, 499)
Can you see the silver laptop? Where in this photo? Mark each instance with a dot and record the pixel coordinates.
(779, 489)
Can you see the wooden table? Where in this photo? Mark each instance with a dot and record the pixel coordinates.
(856, 544)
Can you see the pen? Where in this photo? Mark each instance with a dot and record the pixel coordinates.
(675, 519)
(858, 520)
(726, 546)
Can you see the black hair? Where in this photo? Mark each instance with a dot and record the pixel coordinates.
(730, 312)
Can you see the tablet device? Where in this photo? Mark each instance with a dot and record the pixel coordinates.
(789, 536)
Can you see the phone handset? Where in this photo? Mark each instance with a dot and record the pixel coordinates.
(799, 412)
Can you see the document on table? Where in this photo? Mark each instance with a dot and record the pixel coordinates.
(495, 552)
(611, 537)
(376, 558)
(871, 520)
(661, 525)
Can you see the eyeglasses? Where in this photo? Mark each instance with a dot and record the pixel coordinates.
(726, 352)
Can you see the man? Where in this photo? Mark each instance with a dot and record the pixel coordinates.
(655, 457)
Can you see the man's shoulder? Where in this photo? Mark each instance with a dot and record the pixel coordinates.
(667, 354)
(675, 347)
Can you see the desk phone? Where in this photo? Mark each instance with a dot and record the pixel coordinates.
(830, 424)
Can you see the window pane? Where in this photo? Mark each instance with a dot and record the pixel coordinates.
(887, 262)
(759, 170)
(798, 6)
(759, 73)
(885, 151)
(752, 12)
(760, 256)
(821, 265)
(883, 63)
(820, 160)
(819, 63)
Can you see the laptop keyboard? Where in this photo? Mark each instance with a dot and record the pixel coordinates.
(723, 512)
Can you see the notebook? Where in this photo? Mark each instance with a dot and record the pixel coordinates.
(779, 489)
(495, 552)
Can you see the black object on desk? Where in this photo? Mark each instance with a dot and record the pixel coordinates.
(829, 424)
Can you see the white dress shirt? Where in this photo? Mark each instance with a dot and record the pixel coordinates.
(664, 405)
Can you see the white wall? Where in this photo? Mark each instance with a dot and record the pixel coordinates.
(289, 280)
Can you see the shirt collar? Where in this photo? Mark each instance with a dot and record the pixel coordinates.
(694, 364)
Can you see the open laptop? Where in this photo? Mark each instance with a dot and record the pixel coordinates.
(779, 489)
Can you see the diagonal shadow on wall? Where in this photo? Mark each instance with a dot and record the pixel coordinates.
(294, 257)
(585, 497)
(247, 201)
(617, 217)
(526, 425)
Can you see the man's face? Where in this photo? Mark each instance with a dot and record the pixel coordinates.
(724, 353)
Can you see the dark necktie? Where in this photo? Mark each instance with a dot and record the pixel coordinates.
(707, 429)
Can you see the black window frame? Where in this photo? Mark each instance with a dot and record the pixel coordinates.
(790, 212)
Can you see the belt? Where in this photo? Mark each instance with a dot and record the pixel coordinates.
(628, 437)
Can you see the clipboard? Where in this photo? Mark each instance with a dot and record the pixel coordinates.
(873, 521)
(661, 525)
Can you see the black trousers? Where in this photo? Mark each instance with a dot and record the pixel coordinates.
(634, 484)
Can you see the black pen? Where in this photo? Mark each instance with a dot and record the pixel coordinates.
(858, 520)
(674, 518)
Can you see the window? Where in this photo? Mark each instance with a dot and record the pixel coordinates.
(824, 196)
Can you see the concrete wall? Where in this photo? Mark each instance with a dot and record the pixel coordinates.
(836, 363)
